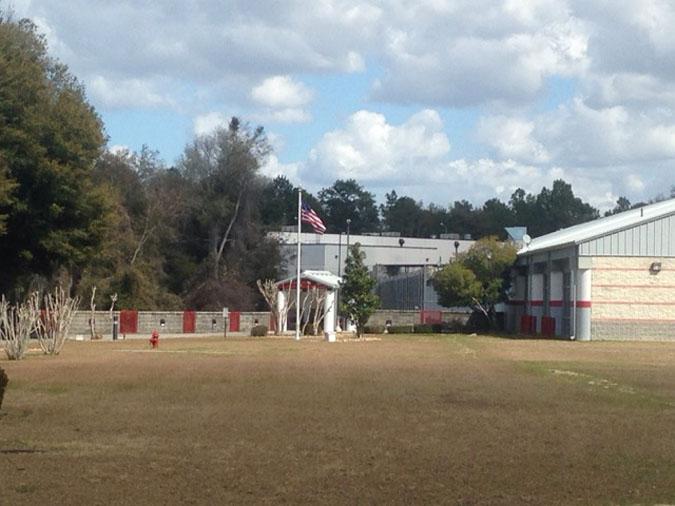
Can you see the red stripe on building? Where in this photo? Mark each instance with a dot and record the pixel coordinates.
(599, 285)
(583, 303)
(556, 303)
(536, 303)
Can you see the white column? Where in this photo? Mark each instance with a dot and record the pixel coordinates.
(583, 306)
(282, 324)
(329, 316)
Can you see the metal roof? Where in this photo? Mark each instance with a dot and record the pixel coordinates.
(325, 278)
(578, 234)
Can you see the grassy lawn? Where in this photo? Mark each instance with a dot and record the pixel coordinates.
(403, 420)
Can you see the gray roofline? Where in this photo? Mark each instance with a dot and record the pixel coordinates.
(601, 227)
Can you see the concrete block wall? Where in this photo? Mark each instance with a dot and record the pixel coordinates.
(79, 327)
(630, 301)
(209, 321)
(248, 319)
(149, 321)
(397, 317)
(412, 317)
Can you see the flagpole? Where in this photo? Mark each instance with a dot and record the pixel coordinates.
(297, 279)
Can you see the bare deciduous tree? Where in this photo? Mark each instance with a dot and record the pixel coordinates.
(316, 298)
(268, 289)
(113, 299)
(16, 324)
(320, 313)
(54, 323)
(305, 310)
(92, 316)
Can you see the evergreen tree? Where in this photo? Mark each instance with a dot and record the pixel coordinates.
(358, 301)
(49, 139)
(346, 199)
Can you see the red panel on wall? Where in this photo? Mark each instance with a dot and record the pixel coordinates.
(128, 322)
(431, 316)
(189, 318)
(234, 321)
(548, 326)
(528, 324)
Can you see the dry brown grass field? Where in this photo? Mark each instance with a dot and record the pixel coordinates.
(459, 420)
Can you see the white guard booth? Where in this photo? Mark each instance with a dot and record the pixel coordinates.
(322, 280)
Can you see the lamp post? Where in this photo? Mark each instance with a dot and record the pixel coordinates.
(337, 297)
(348, 222)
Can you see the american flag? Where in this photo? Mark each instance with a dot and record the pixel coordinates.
(307, 215)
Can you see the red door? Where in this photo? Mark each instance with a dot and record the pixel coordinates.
(431, 316)
(128, 322)
(234, 321)
(189, 318)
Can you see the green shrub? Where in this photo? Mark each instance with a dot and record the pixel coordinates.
(374, 329)
(3, 383)
(259, 331)
(429, 328)
(400, 329)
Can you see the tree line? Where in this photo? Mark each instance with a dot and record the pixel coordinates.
(191, 235)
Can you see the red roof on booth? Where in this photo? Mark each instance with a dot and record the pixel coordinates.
(310, 279)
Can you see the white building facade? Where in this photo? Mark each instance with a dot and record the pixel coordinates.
(403, 258)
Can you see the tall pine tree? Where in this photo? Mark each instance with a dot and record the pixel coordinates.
(358, 301)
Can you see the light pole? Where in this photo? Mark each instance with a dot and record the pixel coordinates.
(348, 222)
(339, 255)
(337, 298)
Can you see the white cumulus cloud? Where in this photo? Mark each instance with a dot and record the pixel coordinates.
(282, 100)
(370, 149)
(207, 123)
(128, 93)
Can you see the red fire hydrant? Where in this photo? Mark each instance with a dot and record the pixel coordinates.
(154, 340)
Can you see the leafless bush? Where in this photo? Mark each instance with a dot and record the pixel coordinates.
(313, 301)
(16, 324)
(268, 290)
(92, 316)
(54, 322)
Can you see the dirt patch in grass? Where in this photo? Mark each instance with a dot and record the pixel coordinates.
(401, 420)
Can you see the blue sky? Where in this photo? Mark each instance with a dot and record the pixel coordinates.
(439, 99)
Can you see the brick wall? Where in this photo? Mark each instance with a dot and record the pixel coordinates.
(631, 302)
(631, 331)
